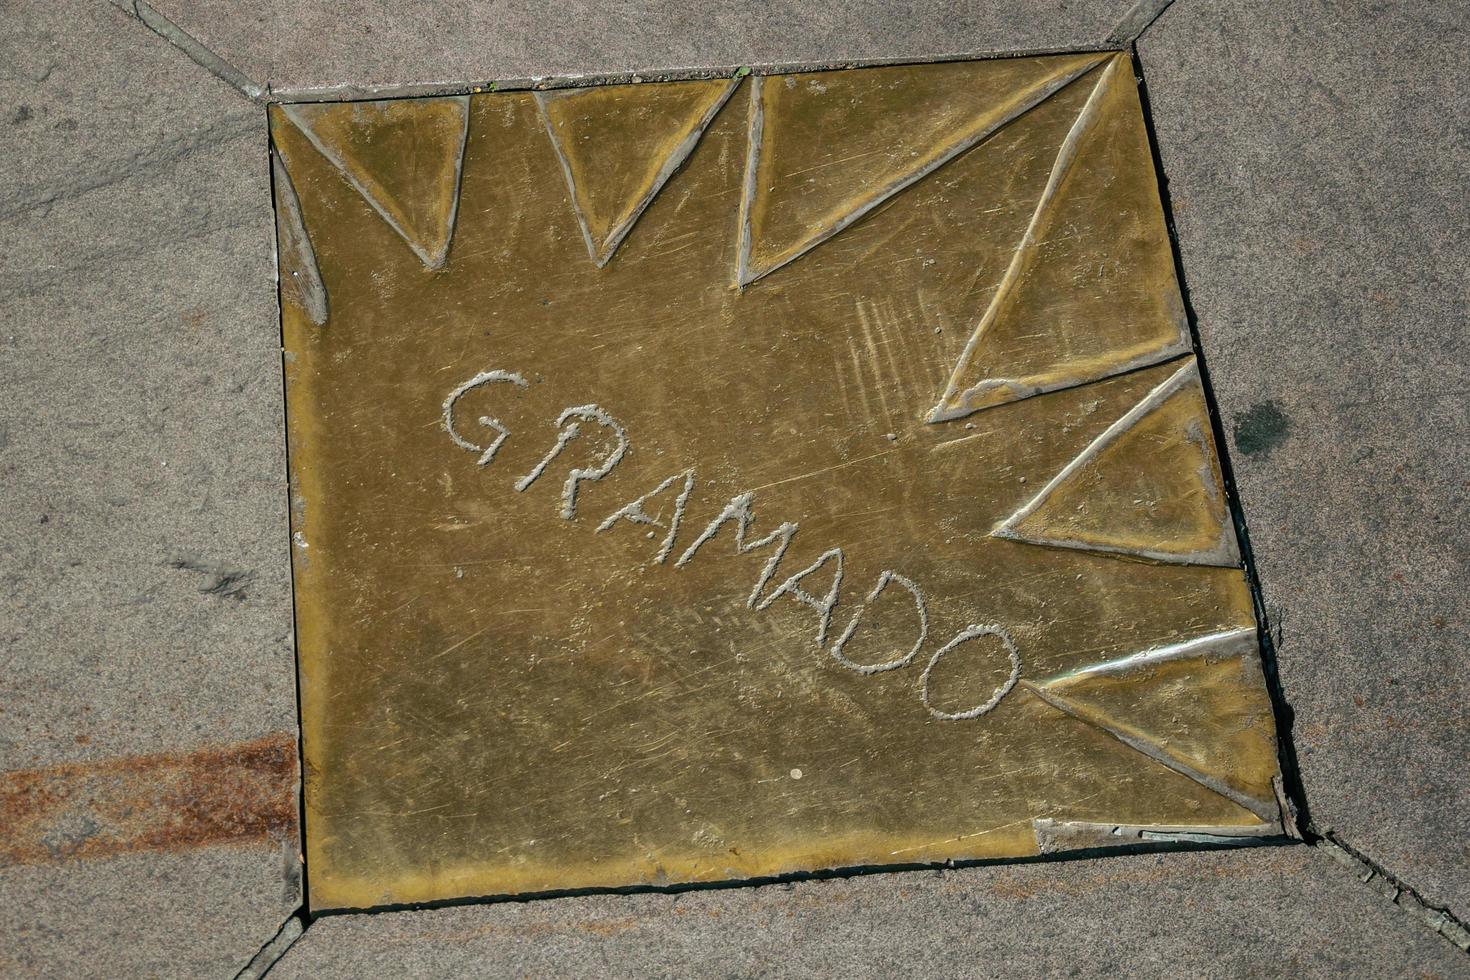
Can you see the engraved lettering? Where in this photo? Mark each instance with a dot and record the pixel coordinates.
(824, 605)
(635, 513)
(738, 510)
(487, 453)
(852, 625)
(964, 636)
(569, 431)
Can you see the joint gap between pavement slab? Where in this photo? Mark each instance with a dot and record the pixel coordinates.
(791, 879)
(296, 924)
(304, 911)
(348, 91)
(1292, 791)
(1370, 873)
(1138, 19)
(197, 52)
(274, 948)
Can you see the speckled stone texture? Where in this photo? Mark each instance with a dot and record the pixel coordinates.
(144, 588)
(1262, 912)
(361, 43)
(200, 914)
(147, 592)
(1316, 156)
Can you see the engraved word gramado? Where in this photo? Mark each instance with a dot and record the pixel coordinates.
(739, 511)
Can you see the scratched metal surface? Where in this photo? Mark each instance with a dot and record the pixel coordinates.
(962, 397)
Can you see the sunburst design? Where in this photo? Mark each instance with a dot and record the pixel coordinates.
(692, 444)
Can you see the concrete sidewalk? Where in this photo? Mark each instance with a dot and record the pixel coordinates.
(1314, 159)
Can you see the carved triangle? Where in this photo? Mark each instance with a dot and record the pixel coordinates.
(403, 156)
(1199, 707)
(300, 277)
(1148, 487)
(619, 145)
(826, 148)
(1091, 289)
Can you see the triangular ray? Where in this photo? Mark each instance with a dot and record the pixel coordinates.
(619, 145)
(300, 277)
(826, 148)
(402, 155)
(1148, 487)
(1198, 707)
(1091, 289)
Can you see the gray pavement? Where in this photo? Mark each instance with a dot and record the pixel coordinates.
(1315, 155)
(145, 604)
(1261, 912)
(197, 914)
(289, 46)
(147, 599)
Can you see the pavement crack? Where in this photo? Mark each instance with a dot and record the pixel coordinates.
(158, 157)
(270, 954)
(1369, 872)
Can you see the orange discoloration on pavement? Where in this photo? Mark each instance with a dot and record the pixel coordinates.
(221, 795)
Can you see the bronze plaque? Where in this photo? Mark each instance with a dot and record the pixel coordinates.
(712, 479)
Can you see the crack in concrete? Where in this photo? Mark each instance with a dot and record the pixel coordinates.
(1390, 887)
(155, 158)
(63, 274)
(270, 954)
(223, 581)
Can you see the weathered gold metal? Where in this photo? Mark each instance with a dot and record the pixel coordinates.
(767, 475)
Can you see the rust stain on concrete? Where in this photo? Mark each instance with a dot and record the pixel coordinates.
(230, 794)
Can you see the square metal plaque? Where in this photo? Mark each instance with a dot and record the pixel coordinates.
(711, 479)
